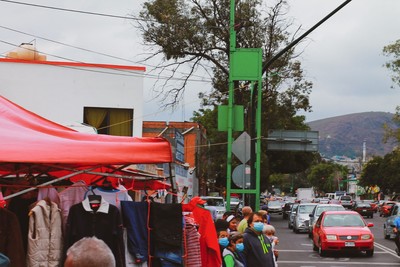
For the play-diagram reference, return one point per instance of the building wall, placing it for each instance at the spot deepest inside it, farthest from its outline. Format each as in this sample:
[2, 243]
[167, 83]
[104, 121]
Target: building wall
[195, 145]
[59, 91]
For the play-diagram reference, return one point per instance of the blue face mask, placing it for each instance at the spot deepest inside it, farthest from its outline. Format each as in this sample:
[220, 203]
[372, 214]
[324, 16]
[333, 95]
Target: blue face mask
[223, 241]
[240, 247]
[258, 226]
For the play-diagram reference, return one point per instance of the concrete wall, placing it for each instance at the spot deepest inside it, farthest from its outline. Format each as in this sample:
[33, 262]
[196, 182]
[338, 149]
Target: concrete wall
[59, 91]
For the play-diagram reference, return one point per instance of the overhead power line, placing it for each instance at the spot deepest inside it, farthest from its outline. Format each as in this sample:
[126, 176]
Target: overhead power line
[75, 11]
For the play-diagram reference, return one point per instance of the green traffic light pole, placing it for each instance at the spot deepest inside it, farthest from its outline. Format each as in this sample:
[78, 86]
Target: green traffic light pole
[256, 89]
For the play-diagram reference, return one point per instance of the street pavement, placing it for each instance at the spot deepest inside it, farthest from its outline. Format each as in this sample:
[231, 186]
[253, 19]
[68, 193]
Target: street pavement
[295, 250]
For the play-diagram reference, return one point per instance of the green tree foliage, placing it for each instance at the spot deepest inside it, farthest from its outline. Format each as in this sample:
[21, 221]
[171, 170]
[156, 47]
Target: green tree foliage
[326, 177]
[194, 34]
[393, 65]
[384, 172]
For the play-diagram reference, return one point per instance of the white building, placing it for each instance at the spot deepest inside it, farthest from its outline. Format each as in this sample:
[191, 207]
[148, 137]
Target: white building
[108, 97]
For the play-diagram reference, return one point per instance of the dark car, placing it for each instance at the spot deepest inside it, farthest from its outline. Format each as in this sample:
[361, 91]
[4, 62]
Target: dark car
[286, 210]
[364, 208]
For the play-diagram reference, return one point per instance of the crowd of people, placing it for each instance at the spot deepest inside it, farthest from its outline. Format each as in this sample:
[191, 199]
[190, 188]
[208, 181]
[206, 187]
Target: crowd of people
[247, 240]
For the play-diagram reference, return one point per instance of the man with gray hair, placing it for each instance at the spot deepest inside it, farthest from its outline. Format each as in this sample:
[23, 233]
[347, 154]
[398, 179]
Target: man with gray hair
[89, 252]
[246, 211]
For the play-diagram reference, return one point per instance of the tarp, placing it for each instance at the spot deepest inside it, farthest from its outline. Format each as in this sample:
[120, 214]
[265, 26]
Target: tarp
[26, 138]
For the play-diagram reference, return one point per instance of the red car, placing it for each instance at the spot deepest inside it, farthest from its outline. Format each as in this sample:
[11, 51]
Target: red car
[342, 231]
[386, 208]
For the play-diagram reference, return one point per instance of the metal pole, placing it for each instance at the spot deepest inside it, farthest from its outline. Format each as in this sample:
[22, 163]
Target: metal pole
[232, 48]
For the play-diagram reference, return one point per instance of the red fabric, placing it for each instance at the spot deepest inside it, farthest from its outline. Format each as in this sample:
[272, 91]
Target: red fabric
[26, 137]
[209, 247]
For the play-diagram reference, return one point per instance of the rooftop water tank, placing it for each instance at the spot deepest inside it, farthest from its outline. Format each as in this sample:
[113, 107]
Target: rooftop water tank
[26, 52]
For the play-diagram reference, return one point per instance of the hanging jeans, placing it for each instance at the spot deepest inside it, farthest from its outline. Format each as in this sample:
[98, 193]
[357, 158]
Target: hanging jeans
[134, 216]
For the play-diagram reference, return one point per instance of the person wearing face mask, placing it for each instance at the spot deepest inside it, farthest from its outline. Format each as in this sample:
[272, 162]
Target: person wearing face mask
[232, 254]
[257, 247]
[221, 226]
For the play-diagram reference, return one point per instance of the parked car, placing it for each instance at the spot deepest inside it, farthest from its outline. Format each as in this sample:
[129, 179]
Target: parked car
[292, 213]
[364, 209]
[324, 201]
[388, 224]
[215, 203]
[386, 208]
[346, 201]
[286, 210]
[342, 231]
[274, 207]
[316, 212]
[302, 217]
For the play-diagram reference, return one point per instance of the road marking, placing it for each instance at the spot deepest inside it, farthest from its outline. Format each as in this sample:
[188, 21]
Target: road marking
[386, 249]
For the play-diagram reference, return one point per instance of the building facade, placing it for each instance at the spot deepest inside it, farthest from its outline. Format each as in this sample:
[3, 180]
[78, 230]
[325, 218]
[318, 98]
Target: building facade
[190, 148]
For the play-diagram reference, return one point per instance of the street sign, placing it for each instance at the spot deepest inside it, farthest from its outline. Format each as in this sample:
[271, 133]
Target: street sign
[241, 147]
[293, 140]
[241, 176]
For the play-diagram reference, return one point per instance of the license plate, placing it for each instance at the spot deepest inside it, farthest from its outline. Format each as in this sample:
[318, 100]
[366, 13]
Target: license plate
[364, 210]
[349, 244]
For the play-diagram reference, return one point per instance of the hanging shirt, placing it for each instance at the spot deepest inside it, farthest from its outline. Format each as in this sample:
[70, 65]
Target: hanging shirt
[113, 196]
[104, 223]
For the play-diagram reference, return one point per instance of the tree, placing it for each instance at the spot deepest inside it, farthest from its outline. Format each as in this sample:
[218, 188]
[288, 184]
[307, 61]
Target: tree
[393, 65]
[326, 176]
[194, 34]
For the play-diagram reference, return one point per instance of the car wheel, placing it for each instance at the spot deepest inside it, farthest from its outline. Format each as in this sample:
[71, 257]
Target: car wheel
[369, 253]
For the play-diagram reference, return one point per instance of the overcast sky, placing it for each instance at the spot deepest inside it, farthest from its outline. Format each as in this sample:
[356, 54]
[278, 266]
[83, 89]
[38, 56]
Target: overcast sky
[343, 57]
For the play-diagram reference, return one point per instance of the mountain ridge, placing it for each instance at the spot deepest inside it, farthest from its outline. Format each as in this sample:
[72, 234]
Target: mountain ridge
[344, 135]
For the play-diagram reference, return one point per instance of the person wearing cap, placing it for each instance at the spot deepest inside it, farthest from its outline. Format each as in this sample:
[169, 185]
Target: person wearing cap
[232, 224]
[232, 254]
[257, 247]
[246, 211]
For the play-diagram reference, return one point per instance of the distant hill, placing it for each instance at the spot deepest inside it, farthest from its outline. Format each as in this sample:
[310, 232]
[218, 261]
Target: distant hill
[344, 135]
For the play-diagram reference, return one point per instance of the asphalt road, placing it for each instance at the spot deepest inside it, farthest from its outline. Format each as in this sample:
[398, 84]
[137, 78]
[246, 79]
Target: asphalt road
[295, 250]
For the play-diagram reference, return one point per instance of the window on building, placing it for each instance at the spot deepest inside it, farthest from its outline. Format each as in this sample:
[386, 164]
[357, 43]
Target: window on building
[112, 121]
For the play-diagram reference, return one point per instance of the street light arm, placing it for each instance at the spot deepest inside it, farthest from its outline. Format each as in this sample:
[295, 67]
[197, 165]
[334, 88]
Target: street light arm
[272, 60]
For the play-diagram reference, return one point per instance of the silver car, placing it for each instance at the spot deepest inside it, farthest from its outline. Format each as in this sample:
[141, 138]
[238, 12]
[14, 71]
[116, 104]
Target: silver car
[301, 220]
[314, 215]
[215, 204]
[388, 224]
[292, 213]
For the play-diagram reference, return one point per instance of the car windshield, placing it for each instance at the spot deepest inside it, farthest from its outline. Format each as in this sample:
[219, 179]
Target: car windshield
[305, 208]
[215, 202]
[274, 203]
[325, 208]
[343, 220]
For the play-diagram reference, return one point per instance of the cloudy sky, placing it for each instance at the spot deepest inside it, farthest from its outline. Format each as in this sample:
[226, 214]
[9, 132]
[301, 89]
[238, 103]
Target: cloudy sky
[343, 57]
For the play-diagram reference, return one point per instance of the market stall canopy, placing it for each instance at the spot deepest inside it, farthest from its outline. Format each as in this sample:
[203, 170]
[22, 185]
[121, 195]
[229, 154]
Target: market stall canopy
[30, 141]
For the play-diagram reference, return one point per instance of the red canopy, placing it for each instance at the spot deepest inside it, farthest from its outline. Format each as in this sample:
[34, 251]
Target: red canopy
[26, 138]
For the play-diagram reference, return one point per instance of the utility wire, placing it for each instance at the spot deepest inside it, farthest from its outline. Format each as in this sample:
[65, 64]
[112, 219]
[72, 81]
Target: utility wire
[76, 11]
[154, 76]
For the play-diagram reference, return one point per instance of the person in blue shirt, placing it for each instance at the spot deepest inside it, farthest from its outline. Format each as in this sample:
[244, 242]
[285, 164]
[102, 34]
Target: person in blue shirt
[396, 230]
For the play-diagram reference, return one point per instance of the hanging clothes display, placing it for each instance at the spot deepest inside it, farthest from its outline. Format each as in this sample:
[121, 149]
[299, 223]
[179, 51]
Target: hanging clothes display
[11, 243]
[44, 235]
[209, 247]
[49, 193]
[104, 222]
[166, 223]
[70, 196]
[135, 215]
[192, 243]
[112, 195]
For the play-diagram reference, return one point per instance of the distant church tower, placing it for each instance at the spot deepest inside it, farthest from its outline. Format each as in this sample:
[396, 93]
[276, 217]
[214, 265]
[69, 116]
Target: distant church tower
[364, 151]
